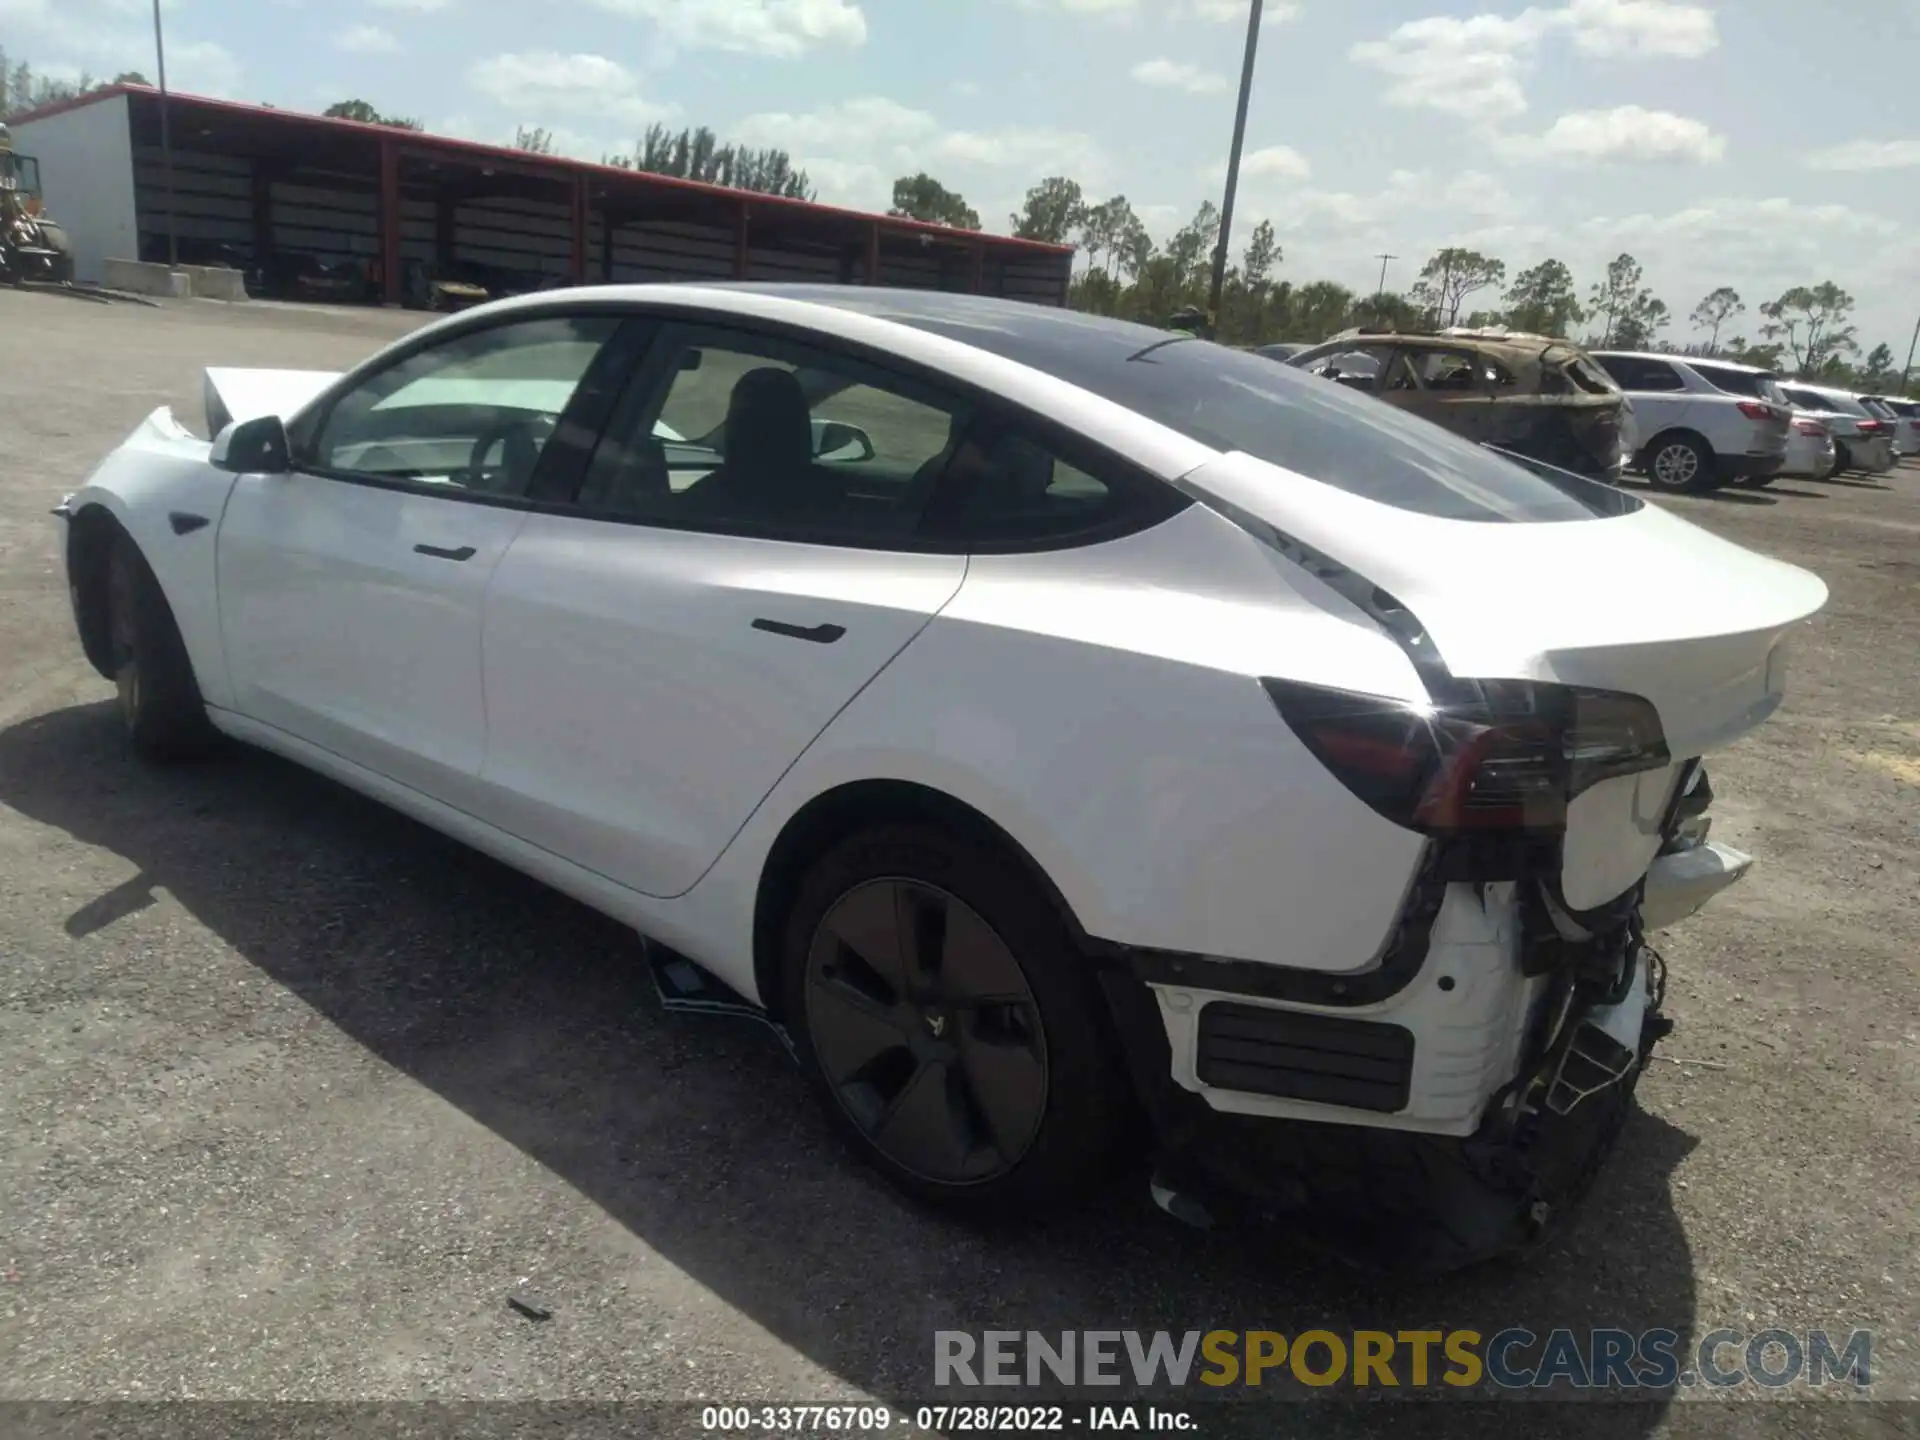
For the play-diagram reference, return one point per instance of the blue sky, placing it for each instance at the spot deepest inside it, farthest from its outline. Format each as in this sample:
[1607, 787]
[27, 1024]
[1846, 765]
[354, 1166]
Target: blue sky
[1760, 144]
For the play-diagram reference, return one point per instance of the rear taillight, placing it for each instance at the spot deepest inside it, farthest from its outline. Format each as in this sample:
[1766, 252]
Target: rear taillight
[1756, 410]
[1809, 427]
[1872, 427]
[1508, 759]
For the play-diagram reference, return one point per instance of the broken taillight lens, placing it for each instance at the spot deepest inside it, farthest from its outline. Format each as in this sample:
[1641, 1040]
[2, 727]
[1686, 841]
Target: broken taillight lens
[1508, 759]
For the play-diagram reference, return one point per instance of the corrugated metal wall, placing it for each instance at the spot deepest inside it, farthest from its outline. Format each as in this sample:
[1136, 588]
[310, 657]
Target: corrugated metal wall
[335, 217]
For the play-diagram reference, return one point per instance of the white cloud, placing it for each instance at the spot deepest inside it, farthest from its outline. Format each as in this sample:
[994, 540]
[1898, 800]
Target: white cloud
[851, 125]
[424, 6]
[1641, 27]
[1167, 74]
[783, 28]
[199, 67]
[854, 150]
[543, 83]
[366, 40]
[1473, 67]
[1269, 162]
[1232, 12]
[1867, 155]
[1470, 68]
[1627, 132]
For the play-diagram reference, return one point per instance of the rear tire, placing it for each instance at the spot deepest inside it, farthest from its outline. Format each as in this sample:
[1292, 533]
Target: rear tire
[985, 1106]
[1680, 464]
[160, 704]
[1842, 460]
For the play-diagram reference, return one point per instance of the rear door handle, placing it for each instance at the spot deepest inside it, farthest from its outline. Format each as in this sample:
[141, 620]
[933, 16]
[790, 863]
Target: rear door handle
[465, 552]
[818, 634]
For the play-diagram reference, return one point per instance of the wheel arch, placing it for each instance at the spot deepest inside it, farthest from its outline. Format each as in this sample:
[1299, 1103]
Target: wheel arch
[91, 534]
[846, 809]
[1678, 432]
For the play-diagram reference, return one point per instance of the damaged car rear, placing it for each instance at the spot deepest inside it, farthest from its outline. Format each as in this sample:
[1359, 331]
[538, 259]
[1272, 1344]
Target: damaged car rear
[1084, 743]
[1529, 394]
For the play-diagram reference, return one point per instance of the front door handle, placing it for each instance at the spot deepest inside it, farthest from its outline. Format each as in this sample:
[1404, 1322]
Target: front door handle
[818, 634]
[465, 552]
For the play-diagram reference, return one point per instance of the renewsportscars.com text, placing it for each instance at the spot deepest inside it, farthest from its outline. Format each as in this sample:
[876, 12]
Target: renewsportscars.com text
[1512, 1359]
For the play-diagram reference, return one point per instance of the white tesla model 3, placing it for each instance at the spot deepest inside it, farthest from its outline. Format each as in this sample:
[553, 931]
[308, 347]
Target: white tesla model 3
[1083, 741]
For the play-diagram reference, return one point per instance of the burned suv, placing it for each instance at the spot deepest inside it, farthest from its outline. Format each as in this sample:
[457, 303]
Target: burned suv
[1528, 394]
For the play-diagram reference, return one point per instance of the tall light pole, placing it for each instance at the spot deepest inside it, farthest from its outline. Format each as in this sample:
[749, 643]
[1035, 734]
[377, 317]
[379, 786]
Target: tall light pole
[1233, 165]
[1910, 348]
[166, 138]
[1380, 295]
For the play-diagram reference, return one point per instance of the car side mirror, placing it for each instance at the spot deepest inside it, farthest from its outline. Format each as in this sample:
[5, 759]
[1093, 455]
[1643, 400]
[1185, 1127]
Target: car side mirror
[253, 447]
[843, 444]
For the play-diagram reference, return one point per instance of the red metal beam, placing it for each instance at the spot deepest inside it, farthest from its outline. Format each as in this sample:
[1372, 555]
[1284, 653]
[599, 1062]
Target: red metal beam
[390, 221]
[742, 252]
[577, 263]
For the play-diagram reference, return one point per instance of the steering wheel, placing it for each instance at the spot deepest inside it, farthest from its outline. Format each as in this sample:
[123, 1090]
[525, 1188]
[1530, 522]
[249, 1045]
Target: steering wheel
[520, 452]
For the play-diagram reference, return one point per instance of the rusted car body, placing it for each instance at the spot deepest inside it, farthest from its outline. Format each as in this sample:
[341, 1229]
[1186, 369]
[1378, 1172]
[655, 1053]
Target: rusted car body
[1531, 394]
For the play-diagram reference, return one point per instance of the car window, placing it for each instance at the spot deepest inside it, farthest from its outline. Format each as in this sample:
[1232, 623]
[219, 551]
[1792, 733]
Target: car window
[1006, 486]
[473, 412]
[1445, 370]
[1635, 372]
[1358, 367]
[757, 435]
[1877, 410]
[1733, 382]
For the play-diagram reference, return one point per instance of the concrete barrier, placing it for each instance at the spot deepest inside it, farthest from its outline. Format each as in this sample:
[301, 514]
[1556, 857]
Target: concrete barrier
[213, 282]
[207, 282]
[139, 278]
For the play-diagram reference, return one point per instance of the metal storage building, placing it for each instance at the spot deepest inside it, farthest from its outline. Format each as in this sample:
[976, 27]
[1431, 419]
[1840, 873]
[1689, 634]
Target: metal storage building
[251, 183]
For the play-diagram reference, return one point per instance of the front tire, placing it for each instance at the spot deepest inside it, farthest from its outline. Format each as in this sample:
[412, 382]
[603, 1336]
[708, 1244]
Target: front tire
[160, 704]
[952, 1030]
[1680, 464]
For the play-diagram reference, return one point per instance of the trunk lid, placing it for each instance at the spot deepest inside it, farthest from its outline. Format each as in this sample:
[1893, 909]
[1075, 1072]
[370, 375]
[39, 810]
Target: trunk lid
[1644, 602]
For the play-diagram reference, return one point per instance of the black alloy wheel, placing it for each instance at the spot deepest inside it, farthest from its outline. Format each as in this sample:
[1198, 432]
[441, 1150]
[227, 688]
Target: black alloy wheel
[926, 1031]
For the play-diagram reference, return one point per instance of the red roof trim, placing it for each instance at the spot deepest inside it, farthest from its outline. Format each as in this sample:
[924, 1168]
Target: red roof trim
[559, 166]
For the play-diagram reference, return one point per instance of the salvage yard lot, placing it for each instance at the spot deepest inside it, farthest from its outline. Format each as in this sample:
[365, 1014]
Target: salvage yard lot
[296, 1093]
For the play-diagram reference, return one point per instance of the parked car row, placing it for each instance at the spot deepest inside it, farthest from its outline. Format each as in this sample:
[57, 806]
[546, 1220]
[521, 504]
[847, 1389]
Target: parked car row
[1686, 423]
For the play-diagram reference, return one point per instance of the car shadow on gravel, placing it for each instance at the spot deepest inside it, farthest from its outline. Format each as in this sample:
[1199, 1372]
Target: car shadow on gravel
[535, 1017]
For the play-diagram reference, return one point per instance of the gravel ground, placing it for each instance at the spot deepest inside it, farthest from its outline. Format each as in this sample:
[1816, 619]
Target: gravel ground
[296, 1093]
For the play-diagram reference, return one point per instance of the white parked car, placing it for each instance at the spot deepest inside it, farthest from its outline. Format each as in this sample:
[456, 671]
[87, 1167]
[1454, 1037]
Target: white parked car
[1702, 423]
[1903, 415]
[1049, 722]
[1862, 439]
[1811, 453]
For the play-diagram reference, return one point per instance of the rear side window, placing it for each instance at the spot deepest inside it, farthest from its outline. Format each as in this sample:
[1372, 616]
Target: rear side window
[1877, 410]
[1635, 372]
[1734, 382]
[1232, 401]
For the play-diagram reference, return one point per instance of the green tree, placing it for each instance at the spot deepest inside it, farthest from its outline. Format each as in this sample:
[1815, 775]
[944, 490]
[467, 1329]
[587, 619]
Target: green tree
[1877, 368]
[1715, 310]
[1810, 322]
[1319, 310]
[1051, 211]
[1191, 250]
[131, 77]
[535, 140]
[697, 154]
[1543, 300]
[1629, 313]
[921, 197]
[1263, 254]
[363, 112]
[1449, 277]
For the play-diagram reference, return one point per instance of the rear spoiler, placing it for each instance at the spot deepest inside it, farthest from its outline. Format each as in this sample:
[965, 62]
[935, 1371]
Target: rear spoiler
[231, 395]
